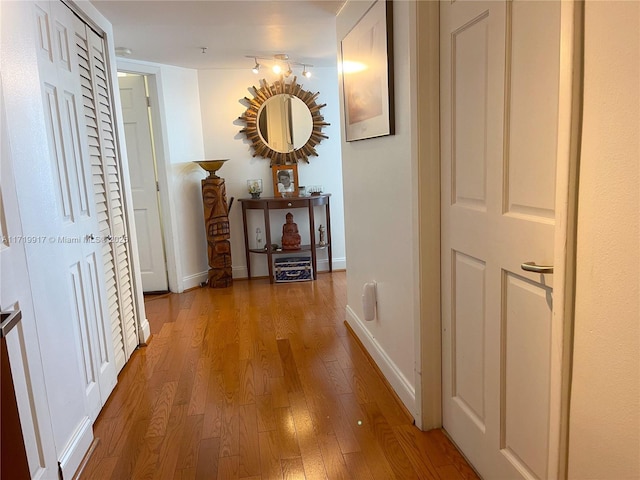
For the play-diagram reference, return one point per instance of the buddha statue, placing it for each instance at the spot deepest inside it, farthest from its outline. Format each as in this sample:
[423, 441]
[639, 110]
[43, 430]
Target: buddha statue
[290, 235]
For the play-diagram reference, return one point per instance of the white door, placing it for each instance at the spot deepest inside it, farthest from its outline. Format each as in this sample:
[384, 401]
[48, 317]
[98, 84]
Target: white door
[76, 244]
[108, 190]
[22, 341]
[501, 102]
[143, 183]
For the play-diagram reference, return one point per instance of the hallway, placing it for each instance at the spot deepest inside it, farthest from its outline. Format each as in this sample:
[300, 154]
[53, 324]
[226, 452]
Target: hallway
[260, 381]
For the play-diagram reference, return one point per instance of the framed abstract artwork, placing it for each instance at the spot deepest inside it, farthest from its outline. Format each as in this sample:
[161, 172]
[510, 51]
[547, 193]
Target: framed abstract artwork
[367, 74]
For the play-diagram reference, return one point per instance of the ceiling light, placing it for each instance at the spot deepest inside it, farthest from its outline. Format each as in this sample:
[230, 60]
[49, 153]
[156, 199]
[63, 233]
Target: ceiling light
[256, 67]
[277, 62]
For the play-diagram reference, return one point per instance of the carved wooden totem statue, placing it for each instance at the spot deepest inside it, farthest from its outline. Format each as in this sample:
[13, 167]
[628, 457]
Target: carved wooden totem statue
[216, 221]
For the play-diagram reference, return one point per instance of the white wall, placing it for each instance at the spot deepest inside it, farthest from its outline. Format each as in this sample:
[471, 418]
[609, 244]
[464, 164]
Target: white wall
[605, 398]
[184, 136]
[381, 201]
[221, 94]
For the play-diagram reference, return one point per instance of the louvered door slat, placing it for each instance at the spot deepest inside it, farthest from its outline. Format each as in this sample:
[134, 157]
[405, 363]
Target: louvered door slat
[106, 182]
[100, 197]
[119, 250]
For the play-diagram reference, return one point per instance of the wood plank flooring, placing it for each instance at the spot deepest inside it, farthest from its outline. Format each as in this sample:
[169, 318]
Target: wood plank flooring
[260, 381]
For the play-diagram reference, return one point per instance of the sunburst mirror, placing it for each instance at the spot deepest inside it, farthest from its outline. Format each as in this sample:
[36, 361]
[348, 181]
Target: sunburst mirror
[283, 122]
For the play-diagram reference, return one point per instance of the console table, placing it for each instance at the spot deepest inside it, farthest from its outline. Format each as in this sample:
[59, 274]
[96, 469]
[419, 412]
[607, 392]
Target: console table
[277, 203]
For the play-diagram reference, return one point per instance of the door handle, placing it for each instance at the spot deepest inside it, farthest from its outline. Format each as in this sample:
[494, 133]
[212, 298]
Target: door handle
[532, 267]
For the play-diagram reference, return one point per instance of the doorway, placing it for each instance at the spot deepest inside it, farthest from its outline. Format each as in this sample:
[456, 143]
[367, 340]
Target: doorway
[143, 173]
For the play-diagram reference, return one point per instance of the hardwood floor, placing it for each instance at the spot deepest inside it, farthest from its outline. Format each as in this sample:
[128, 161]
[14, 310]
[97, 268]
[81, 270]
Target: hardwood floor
[260, 381]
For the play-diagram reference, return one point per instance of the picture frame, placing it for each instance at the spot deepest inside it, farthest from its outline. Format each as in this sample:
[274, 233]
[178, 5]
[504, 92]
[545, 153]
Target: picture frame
[367, 74]
[285, 180]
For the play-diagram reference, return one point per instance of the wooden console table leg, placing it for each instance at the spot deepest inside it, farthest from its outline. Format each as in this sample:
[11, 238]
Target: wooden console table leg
[329, 256]
[312, 231]
[267, 232]
[246, 240]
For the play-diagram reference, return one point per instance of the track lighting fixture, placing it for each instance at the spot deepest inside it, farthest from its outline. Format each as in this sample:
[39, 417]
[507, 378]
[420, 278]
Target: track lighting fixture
[280, 64]
[256, 67]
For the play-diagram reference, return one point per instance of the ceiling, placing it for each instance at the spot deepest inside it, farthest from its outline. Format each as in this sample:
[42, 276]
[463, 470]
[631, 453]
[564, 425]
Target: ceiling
[175, 32]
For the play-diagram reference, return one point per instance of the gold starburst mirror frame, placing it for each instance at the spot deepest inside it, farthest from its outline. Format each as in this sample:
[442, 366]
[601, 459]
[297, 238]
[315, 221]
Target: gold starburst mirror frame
[283, 122]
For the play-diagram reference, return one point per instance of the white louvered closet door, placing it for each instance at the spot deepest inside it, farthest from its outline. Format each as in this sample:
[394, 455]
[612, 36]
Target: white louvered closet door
[107, 185]
[77, 297]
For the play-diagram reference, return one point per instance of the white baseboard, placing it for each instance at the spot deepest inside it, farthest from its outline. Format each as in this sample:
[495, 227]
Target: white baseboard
[392, 373]
[338, 264]
[195, 280]
[76, 448]
[239, 272]
[145, 331]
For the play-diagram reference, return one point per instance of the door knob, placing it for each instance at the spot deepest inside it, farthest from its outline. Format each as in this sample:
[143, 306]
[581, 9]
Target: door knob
[532, 267]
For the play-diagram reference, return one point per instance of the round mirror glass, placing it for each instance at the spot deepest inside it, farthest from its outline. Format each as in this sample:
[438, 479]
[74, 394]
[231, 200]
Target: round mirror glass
[285, 123]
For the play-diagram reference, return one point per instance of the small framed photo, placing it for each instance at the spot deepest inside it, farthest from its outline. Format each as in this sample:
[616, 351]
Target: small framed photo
[285, 180]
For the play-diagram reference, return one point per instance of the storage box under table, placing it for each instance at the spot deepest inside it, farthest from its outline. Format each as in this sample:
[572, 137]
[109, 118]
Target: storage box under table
[293, 269]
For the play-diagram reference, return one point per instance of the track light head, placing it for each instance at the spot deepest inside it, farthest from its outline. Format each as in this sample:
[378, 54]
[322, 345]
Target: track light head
[256, 67]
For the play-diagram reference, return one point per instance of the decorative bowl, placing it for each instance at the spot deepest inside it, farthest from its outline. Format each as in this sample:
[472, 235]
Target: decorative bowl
[211, 166]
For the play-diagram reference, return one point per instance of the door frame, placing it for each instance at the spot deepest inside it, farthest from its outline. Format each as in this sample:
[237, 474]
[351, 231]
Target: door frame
[429, 396]
[158, 126]
[429, 332]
